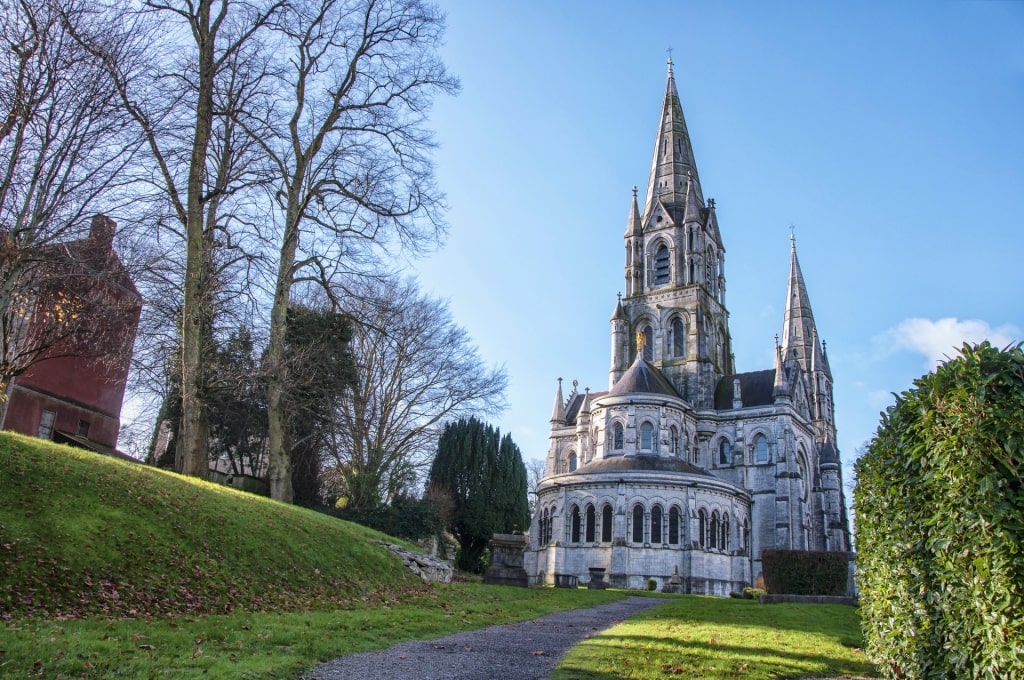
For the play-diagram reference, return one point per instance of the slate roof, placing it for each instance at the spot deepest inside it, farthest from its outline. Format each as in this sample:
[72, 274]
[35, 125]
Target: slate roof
[642, 376]
[572, 409]
[756, 389]
[641, 464]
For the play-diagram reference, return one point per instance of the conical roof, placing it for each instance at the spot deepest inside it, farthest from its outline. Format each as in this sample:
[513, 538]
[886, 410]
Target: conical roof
[643, 377]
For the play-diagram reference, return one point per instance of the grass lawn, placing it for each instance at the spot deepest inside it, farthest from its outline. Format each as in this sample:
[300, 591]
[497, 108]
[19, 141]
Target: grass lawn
[268, 644]
[706, 637]
[115, 570]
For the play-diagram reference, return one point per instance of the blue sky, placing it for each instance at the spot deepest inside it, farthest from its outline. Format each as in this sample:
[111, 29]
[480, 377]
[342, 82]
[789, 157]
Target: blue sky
[890, 136]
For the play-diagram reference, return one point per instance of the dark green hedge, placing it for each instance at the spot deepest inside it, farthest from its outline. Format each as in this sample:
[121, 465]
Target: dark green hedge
[805, 572]
[939, 506]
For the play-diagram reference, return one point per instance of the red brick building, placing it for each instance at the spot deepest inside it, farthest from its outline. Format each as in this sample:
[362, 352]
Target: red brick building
[74, 394]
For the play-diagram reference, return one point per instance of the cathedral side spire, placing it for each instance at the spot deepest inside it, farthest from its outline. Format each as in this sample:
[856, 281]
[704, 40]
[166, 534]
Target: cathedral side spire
[633, 224]
[673, 159]
[558, 412]
[799, 334]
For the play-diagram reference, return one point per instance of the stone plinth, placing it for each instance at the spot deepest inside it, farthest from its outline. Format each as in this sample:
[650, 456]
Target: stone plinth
[597, 579]
[675, 584]
[507, 561]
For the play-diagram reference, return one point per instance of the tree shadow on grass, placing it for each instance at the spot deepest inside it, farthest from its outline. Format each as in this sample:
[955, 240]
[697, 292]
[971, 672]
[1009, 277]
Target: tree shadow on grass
[685, 658]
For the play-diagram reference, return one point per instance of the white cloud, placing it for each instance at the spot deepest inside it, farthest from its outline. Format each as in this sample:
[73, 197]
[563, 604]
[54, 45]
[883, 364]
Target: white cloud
[940, 340]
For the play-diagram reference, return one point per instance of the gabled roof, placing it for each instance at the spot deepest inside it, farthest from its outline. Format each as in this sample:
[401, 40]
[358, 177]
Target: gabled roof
[572, 409]
[755, 389]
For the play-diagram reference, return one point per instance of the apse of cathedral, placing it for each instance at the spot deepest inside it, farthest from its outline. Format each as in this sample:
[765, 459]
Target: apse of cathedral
[684, 470]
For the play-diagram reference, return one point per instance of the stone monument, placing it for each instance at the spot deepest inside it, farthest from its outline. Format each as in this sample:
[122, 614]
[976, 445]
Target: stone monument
[507, 561]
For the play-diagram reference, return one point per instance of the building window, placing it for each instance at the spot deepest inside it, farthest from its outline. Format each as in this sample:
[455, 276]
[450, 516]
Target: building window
[723, 540]
[638, 524]
[656, 524]
[574, 536]
[713, 531]
[606, 524]
[702, 527]
[724, 449]
[572, 461]
[46, 424]
[83, 428]
[661, 266]
[648, 344]
[673, 434]
[673, 526]
[745, 537]
[647, 437]
[591, 521]
[617, 436]
[760, 449]
[678, 338]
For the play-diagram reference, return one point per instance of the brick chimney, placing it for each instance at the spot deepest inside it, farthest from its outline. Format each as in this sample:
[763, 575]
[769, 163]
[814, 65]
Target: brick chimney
[102, 232]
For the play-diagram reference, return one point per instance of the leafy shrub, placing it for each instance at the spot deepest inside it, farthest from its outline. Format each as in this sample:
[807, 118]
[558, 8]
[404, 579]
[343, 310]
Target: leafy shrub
[805, 572]
[940, 523]
[652, 584]
[406, 517]
[753, 593]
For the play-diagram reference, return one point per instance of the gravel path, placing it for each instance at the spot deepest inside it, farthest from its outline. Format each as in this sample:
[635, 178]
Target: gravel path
[517, 651]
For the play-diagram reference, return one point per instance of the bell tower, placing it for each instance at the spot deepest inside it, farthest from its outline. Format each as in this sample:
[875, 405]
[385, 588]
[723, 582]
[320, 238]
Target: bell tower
[674, 271]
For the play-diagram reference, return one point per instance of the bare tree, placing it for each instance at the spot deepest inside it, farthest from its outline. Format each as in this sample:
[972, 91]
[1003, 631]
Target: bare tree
[415, 371]
[346, 154]
[535, 468]
[63, 149]
[182, 69]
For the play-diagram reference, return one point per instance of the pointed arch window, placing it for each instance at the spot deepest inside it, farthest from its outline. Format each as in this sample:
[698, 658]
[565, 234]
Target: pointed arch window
[760, 449]
[648, 344]
[724, 451]
[647, 437]
[589, 525]
[574, 536]
[713, 531]
[617, 436]
[673, 525]
[702, 527]
[606, 524]
[638, 524]
[710, 279]
[662, 270]
[673, 434]
[656, 516]
[572, 461]
[678, 338]
[723, 540]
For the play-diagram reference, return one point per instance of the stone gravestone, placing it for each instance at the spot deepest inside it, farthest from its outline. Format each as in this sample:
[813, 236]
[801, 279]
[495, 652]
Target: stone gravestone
[507, 561]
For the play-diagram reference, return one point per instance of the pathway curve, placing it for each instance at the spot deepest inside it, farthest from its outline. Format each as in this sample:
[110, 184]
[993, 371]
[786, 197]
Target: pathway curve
[527, 650]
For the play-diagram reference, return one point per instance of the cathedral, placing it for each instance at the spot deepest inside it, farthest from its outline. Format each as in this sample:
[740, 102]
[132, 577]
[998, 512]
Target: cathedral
[684, 470]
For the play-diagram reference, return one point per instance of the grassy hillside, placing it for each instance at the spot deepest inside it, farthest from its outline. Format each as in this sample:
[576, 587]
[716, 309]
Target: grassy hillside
[85, 535]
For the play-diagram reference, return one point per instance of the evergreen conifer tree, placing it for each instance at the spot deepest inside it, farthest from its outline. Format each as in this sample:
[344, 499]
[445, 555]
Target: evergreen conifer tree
[483, 477]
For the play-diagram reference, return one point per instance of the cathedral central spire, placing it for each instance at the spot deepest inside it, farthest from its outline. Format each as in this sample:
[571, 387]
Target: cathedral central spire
[673, 162]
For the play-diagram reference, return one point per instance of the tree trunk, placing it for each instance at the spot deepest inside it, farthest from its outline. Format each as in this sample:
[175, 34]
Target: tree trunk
[195, 434]
[279, 472]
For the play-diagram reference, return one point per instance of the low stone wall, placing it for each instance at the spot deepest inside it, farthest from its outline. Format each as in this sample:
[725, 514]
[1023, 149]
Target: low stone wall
[426, 567]
[808, 599]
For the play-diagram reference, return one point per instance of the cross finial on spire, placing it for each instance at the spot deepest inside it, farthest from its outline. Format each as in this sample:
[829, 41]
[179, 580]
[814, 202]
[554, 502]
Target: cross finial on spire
[634, 192]
[669, 61]
[792, 237]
